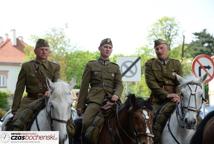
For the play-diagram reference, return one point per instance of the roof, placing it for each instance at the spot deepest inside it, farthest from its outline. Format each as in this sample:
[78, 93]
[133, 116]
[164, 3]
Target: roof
[10, 53]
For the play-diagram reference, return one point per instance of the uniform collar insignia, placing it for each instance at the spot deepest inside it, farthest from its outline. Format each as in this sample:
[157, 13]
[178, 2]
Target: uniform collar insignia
[102, 61]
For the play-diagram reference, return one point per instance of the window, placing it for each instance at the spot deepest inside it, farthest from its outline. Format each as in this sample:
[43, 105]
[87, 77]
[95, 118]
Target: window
[3, 79]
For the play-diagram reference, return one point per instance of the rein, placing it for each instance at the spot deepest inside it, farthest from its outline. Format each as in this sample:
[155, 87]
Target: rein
[121, 128]
[170, 131]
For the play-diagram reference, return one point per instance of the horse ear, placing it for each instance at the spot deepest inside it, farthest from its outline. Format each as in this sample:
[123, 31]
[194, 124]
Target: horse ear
[72, 83]
[49, 83]
[132, 99]
[179, 78]
[203, 78]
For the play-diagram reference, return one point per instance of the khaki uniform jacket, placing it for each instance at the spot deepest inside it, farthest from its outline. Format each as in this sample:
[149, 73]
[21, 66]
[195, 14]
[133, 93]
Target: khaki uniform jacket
[99, 77]
[160, 79]
[28, 78]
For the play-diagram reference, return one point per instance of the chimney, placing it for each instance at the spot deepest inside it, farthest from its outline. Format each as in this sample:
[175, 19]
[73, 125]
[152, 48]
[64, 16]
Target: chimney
[20, 38]
[13, 37]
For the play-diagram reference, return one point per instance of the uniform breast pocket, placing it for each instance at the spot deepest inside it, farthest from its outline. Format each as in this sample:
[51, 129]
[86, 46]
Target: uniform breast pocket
[96, 74]
[32, 79]
[158, 74]
[110, 74]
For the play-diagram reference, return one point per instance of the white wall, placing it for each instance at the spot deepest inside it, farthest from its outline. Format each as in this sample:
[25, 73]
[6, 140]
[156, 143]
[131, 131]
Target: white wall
[13, 72]
[211, 92]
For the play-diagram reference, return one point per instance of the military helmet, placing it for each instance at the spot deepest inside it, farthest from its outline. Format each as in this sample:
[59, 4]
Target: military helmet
[41, 43]
[159, 41]
[106, 41]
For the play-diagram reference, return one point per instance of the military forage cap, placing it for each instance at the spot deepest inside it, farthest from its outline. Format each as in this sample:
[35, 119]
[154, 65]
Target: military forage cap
[159, 41]
[106, 41]
[41, 43]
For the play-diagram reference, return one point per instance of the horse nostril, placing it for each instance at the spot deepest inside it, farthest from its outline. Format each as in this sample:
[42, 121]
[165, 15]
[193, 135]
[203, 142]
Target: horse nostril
[185, 120]
[194, 121]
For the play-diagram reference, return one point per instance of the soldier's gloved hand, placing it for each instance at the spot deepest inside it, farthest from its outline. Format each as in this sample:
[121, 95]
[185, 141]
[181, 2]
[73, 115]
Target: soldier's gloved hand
[114, 98]
[79, 112]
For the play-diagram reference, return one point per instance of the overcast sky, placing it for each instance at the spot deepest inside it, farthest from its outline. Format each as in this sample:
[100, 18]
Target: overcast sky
[88, 21]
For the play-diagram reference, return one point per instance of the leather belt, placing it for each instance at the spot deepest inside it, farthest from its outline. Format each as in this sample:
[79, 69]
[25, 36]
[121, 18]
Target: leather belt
[101, 85]
[35, 95]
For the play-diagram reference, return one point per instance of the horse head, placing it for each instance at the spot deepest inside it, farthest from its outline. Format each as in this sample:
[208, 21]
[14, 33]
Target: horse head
[191, 92]
[141, 118]
[59, 107]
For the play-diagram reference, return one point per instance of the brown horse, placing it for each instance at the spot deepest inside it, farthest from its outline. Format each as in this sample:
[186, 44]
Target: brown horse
[131, 123]
[205, 131]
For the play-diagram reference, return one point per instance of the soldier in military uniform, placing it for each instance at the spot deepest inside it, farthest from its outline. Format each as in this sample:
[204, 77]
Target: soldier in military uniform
[163, 85]
[32, 77]
[101, 80]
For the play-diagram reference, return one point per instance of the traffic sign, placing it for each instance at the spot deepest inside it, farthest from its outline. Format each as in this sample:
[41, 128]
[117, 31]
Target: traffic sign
[130, 67]
[203, 64]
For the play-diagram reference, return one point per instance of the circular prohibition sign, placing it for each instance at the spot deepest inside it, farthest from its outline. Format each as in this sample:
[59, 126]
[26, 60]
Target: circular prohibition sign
[203, 64]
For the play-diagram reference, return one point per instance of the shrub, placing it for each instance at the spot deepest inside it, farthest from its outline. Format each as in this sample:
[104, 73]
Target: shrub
[4, 100]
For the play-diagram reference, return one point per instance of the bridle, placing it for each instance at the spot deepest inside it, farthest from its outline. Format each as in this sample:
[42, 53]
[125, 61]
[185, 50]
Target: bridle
[133, 134]
[52, 119]
[181, 107]
[180, 114]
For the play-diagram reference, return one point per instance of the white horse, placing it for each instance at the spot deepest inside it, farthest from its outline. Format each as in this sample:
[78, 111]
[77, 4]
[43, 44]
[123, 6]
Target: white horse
[57, 112]
[181, 125]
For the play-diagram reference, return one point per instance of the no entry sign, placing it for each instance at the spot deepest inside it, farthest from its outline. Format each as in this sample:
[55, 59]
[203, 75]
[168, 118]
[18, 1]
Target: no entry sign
[203, 64]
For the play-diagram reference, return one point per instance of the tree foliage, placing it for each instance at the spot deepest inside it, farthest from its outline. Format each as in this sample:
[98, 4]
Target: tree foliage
[203, 44]
[75, 64]
[165, 28]
[3, 100]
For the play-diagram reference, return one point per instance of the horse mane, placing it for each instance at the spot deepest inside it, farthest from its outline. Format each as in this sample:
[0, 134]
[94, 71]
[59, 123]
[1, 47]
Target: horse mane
[139, 102]
[197, 137]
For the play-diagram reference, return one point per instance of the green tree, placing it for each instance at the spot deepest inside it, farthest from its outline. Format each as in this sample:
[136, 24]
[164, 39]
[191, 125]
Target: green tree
[203, 44]
[165, 28]
[3, 100]
[29, 53]
[75, 64]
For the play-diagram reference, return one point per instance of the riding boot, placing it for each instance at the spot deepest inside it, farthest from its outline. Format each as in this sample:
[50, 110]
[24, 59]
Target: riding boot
[93, 131]
[21, 120]
[160, 120]
[70, 130]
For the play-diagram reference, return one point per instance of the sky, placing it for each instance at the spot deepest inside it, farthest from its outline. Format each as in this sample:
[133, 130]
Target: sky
[87, 22]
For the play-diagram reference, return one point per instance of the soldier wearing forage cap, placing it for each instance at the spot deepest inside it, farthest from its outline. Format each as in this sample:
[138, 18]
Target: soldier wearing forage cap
[101, 80]
[32, 78]
[163, 85]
